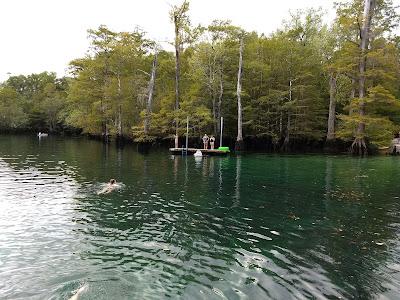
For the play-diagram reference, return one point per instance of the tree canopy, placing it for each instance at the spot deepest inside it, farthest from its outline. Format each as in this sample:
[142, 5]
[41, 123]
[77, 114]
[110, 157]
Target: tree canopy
[305, 83]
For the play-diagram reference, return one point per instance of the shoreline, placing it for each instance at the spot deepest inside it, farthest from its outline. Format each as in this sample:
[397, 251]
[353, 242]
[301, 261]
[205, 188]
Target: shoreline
[252, 145]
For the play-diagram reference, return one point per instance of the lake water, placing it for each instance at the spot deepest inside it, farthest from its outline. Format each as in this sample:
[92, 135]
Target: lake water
[239, 227]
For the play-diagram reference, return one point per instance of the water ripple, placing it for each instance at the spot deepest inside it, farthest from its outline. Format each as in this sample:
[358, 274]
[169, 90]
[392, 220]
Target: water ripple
[218, 228]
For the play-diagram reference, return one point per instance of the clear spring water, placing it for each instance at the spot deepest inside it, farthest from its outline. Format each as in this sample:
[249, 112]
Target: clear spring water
[238, 227]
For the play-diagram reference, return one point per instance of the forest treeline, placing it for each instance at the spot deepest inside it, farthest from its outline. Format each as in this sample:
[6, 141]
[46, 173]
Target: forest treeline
[308, 82]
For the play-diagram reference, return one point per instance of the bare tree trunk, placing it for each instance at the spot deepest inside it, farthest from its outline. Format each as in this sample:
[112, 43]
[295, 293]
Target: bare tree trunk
[119, 126]
[353, 93]
[286, 142]
[239, 139]
[51, 125]
[215, 114]
[330, 136]
[213, 81]
[287, 136]
[177, 72]
[219, 105]
[359, 145]
[103, 102]
[213, 95]
[147, 119]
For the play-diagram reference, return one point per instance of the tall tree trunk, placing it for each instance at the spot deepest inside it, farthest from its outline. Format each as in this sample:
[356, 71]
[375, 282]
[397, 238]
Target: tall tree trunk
[286, 142]
[119, 124]
[239, 138]
[51, 125]
[330, 136]
[359, 145]
[219, 105]
[147, 119]
[215, 114]
[213, 68]
[287, 136]
[103, 102]
[213, 95]
[177, 73]
[353, 93]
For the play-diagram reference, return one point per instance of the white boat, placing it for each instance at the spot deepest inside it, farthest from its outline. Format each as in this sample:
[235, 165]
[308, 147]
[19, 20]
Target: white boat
[42, 134]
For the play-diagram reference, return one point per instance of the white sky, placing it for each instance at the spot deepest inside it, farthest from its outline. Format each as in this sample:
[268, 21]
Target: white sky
[44, 35]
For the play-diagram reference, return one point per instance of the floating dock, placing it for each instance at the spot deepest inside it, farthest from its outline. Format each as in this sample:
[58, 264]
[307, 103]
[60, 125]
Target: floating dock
[191, 151]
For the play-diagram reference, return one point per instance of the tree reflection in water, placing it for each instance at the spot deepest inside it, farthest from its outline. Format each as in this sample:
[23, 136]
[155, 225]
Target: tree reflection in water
[253, 225]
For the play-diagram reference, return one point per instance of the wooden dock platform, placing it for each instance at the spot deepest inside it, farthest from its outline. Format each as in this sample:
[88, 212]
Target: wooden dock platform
[191, 151]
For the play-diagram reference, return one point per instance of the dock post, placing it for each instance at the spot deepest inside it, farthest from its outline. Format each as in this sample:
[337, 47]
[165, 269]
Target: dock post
[220, 135]
[187, 133]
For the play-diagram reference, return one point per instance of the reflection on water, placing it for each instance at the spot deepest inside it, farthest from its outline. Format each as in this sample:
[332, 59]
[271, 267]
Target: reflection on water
[252, 226]
[237, 183]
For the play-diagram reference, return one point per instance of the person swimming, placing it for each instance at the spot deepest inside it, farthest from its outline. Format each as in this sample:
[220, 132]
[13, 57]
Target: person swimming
[111, 186]
[79, 292]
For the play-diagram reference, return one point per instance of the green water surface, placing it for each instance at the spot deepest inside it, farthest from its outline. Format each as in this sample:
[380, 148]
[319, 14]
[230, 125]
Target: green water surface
[253, 226]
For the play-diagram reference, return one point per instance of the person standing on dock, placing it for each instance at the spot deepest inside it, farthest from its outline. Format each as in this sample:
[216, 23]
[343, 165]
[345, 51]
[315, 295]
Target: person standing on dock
[212, 142]
[205, 141]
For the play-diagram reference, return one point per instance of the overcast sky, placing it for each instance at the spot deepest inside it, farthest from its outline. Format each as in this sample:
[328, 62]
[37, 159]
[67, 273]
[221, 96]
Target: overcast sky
[44, 35]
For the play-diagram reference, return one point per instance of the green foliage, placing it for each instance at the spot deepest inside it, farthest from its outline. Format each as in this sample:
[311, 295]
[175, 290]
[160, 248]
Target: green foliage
[380, 104]
[285, 92]
[379, 130]
[38, 101]
[11, 114]
[110, 85]
[283, 81]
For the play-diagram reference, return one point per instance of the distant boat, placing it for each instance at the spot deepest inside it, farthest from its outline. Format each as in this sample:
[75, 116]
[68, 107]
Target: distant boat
[40, 134]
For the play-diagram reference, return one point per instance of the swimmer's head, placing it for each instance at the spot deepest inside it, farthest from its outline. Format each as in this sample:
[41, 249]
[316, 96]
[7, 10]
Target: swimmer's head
[112, 181]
